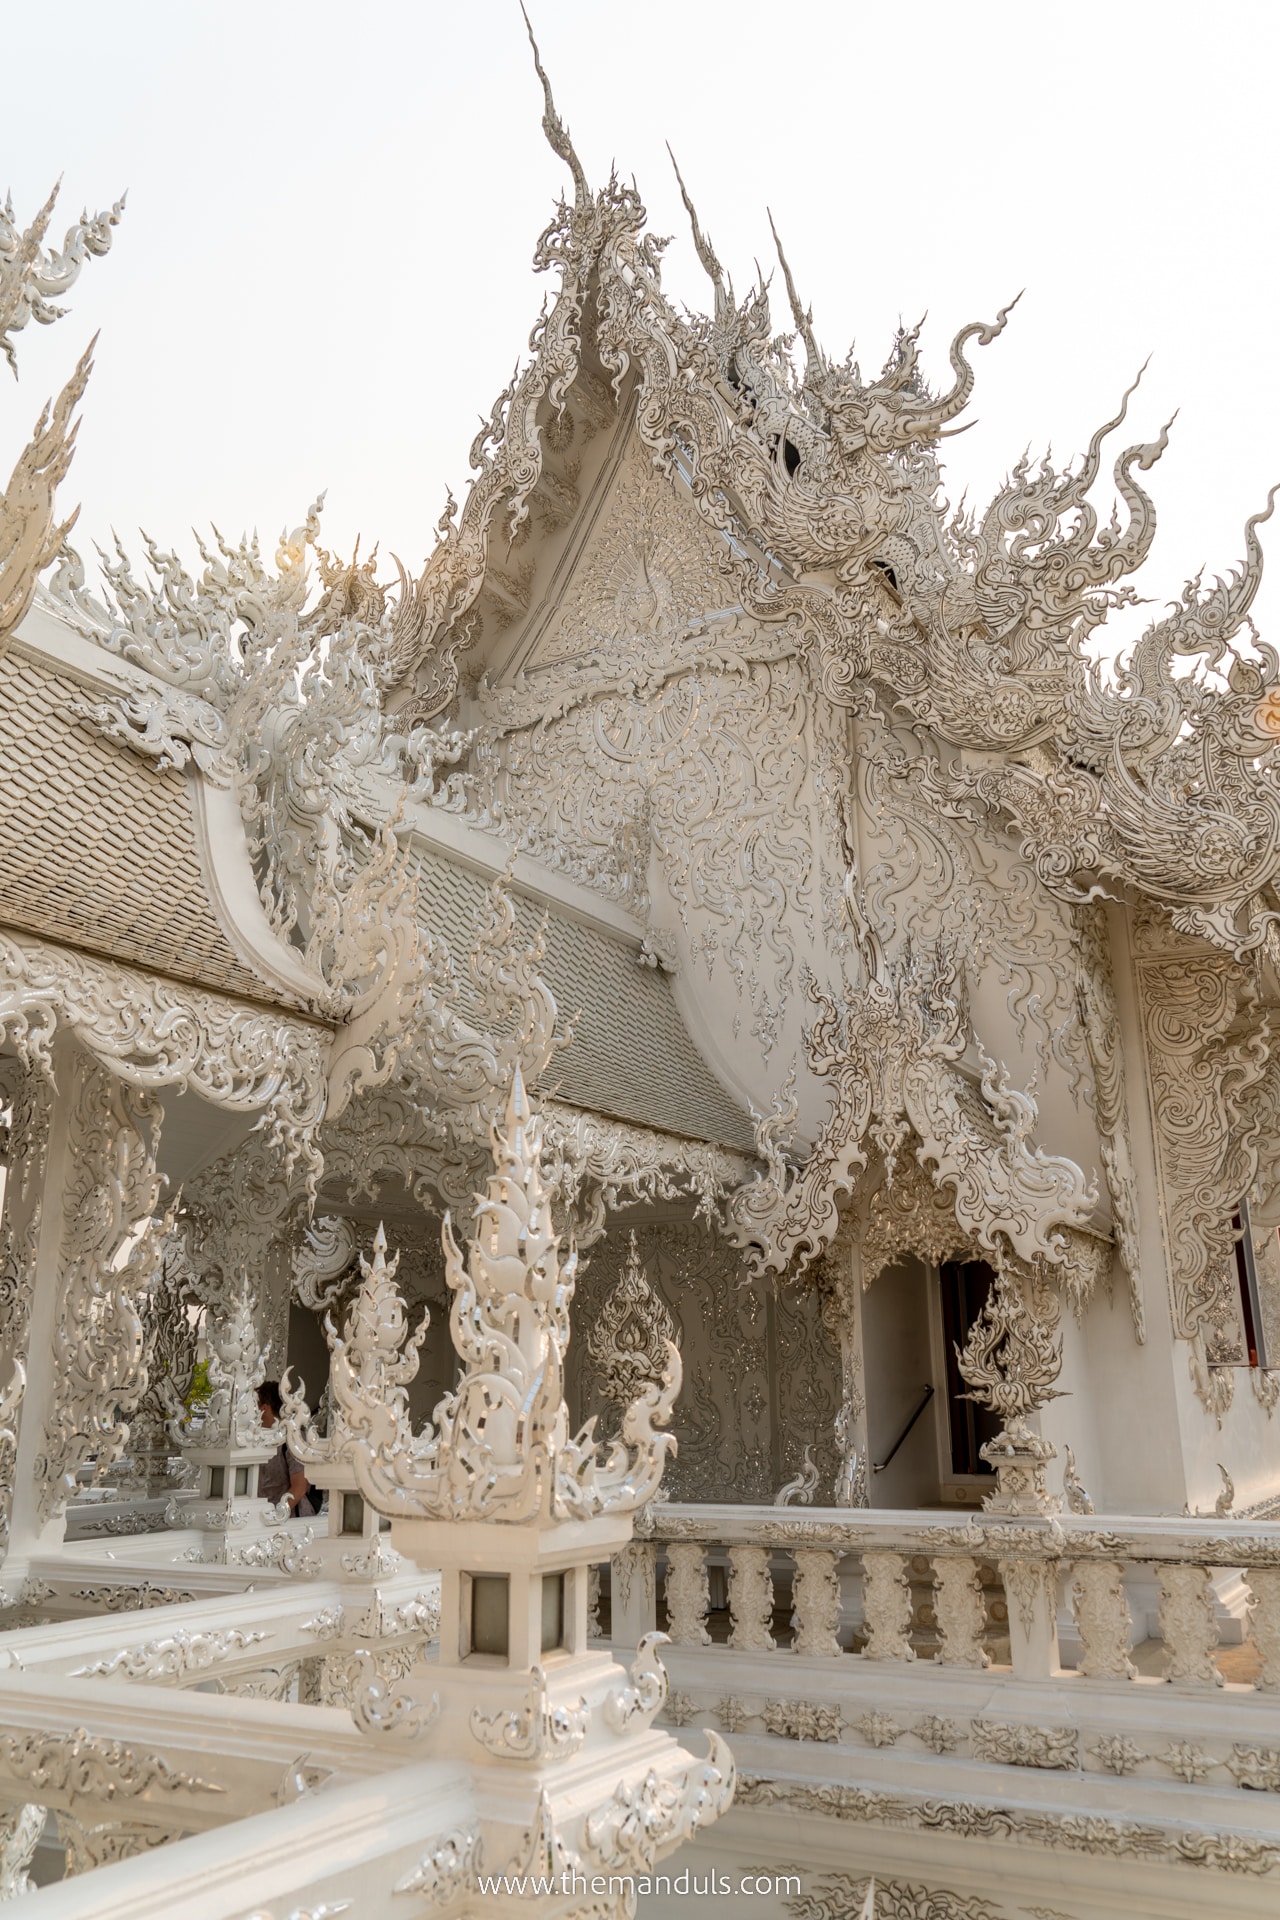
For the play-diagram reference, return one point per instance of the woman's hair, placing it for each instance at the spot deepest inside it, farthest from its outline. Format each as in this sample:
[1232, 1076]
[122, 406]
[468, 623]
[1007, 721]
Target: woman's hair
[269, 1396]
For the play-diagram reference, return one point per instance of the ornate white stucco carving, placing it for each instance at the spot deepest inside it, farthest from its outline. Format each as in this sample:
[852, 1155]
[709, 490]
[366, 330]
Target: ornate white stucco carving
[501, 1446]
[232, 1417]
[632, 1335]
[534, 1728]
[371, 1366]
[890, 1054]
[174, 1656]
[33, 278]
[154, 1033]
[1011, 1359]
[110, 1252]
[1207, 1059]
[322, 1262]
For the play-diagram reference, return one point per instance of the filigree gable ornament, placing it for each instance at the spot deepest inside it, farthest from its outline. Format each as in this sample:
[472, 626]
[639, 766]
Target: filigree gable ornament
[630, 1342]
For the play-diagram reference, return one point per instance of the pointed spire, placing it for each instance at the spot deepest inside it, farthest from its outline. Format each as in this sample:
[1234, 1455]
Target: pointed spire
[553, 126]
[802, 317]
[702, 244]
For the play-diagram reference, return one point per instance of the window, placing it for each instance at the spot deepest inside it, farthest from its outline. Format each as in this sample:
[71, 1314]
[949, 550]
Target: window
[489, 1631]
[552, 1611]
[1251, 1315]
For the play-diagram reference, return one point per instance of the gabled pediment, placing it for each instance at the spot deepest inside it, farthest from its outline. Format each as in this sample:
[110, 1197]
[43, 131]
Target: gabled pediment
[638, 567]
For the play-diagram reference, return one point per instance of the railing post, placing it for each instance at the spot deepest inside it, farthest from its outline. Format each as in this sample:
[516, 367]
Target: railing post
[815, 1596]
[1264, 1613]
[751, 1599]
[1101, 1609]
[960, 1610]
[1188, 1621]
[886, 1606]
[634, 1606]
[1031, 1591]
[688, 1593]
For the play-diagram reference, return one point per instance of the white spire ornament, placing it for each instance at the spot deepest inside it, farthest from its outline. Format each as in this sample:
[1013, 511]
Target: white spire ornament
[501, 1448]
[515, 1511]
[372, 1364]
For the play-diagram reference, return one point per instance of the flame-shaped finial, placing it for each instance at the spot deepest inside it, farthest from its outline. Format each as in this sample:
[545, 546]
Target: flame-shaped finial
[702, 243]
[553, 126]
[372, 1364]
[802, 316]
[501, 1447]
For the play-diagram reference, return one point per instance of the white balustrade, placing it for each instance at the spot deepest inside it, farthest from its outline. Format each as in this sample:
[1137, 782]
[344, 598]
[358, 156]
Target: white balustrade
[925, 1586]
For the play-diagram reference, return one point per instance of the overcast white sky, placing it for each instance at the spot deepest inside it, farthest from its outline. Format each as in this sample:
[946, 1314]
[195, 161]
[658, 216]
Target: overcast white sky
[323, 272]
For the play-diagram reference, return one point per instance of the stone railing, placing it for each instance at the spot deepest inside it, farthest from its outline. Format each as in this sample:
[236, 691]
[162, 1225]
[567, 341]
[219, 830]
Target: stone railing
[897, 1586]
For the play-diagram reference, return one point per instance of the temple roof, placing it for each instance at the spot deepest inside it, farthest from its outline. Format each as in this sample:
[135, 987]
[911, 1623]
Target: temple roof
[631, 1056]
[97, 849]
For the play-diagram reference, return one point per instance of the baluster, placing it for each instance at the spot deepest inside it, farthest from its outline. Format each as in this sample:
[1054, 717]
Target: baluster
[1101, 1608]
[688, 1594]
[1264, 1614]
[634, 1608]
[815, 1597]
[1031, 1590]
[1189, 1626]
[960, 1610]
[886, 1607]
[751, 1599]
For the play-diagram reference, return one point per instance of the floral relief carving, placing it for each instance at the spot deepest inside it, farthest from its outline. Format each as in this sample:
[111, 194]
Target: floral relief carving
[960, 1610]
[886, 1606]
[153, 1033]
[1016, 1745]
[803, 1720]
[20, 1831]
[751, 1599]
[534, 1729]
[80, 1763]
[815, 1594]
[1189, 1626]
[1118, 1754]
[1264, 1618]
[1256, 1767]
[646, 1695]
[1188, 1760]
[688, 1594]
[1101, 1608]
[175, 1656]
[627, 1833]
[1213, 1849]
[841, 1895]
[447, 1870]
[630, 1337]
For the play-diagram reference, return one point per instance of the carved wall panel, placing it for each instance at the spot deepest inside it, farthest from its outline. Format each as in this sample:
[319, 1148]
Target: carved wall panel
[30, 1113]
[761, 1374]
[109, 1254]
[1206, 1059]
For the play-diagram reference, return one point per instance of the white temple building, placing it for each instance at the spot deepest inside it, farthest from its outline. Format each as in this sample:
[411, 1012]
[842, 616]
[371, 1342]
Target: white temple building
[731, 1070]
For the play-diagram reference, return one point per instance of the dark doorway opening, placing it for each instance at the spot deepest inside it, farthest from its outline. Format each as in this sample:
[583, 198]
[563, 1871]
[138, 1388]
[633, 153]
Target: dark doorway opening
[965, 1287]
